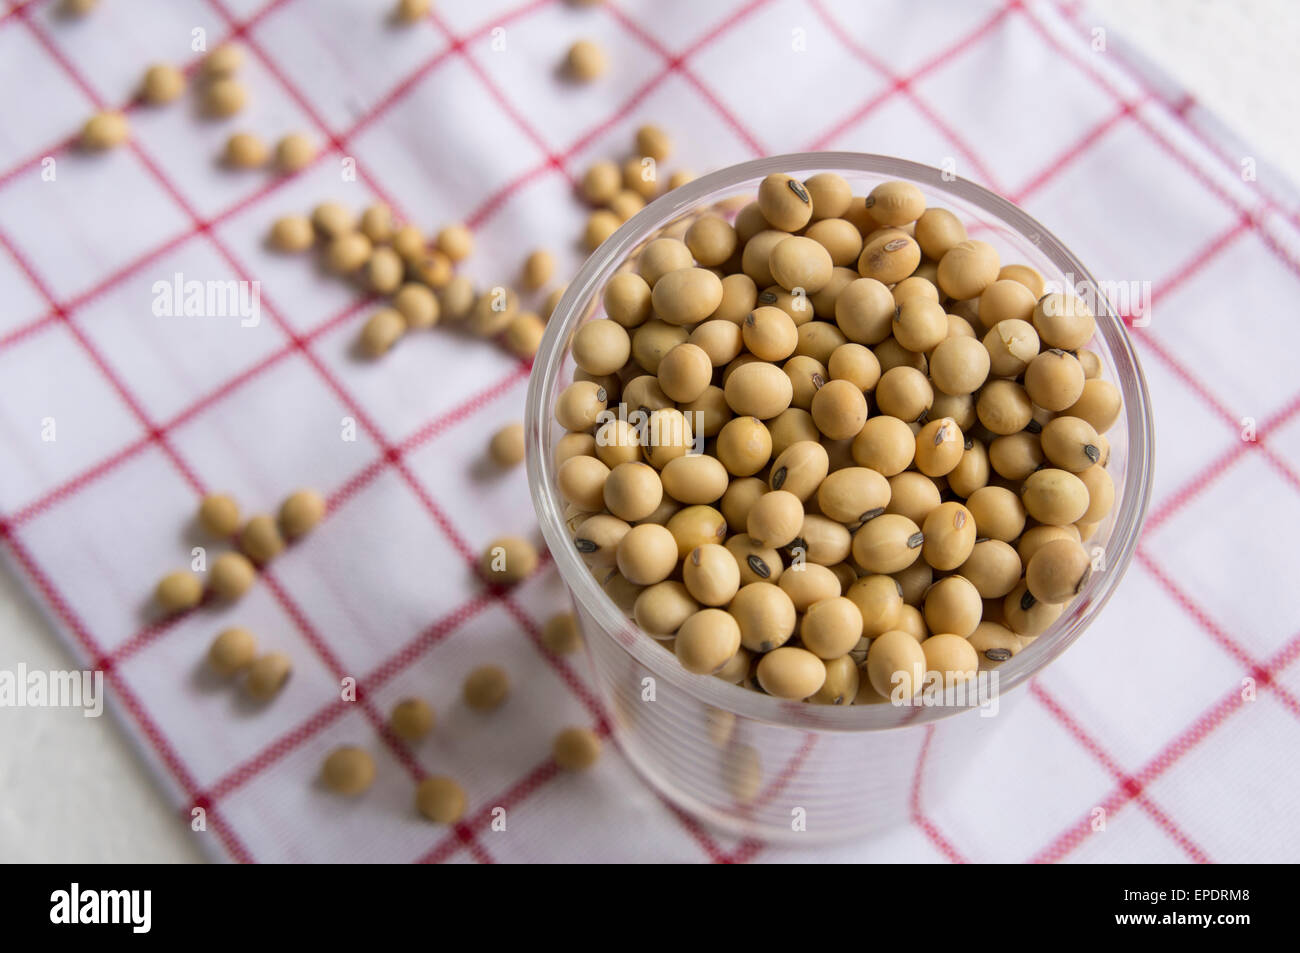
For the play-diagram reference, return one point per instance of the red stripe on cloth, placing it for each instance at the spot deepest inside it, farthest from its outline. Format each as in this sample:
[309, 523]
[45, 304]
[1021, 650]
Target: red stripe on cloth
[78, 301]
[904, 86]
[503, 102]
[271, 186]
[493, 203]
[397, 747]
[1079, 831]
[1182, 107]
[105, 369]
[82, 480]
[749, 848]
[1206, 179]
[58, 494]
[254, 371]
[407, 84]
[440, 630]
[271, 66]
[50, 47]
[1205, 478]
[323, 650]
[26, 165]
[1235, 423]
[1063, 161]
[745, 852]
[354, 484]
[562, 669]
[134, 103]
[145, 636]
[901, 84]
[370, 683]
[696, 831]
[1204, 256]
[1200, 729]
[31, 329]
[522, 789]
[436, 427]
[677, 63]
[1194, 487]
[1113, 768]
[132, 705]
[1184, 273]
[16, 8]
[277, 750]
[440, 518]
[436, 513]
[1214, 717]
[1212, 628]
[919, 818]
[852, 119]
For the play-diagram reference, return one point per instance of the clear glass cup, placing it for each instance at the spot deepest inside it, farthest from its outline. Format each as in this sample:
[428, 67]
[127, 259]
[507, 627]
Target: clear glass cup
[757, 766]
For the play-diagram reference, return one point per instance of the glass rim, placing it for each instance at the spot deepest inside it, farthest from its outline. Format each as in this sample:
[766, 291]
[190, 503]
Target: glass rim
[614, 623]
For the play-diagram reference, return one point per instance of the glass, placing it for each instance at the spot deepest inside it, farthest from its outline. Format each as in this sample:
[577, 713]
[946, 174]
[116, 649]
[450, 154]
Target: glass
[759, 766]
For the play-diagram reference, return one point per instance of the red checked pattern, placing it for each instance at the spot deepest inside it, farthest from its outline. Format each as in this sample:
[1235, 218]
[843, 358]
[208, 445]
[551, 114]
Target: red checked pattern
[1184, 760]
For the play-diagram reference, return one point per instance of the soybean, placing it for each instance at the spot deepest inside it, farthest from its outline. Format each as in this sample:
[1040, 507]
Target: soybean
[561, 634]
[411, 719]
[839, 408]
[440, 799]
[300, 513]
[785, 202]
[219, 514]
[486, 687]
[162, 83]
[106, 130]
[766, 616]
[789, 672]
[348, 770]
[882, 407]
[267, 675]
[1055, 497]
[585, 61]
[949, 536]
[576, 749]
[896, 665]
[661, 609]
[1058, 571]
[294, 152]
[887, 544]
[949, 659]
[1054, 380]
[508, 560]
[232, 651]
[831, 627]
[231, 575]
[707, 641]
[260, 539]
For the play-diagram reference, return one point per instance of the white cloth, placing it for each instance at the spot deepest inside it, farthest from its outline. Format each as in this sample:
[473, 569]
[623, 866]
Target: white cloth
[464, 118]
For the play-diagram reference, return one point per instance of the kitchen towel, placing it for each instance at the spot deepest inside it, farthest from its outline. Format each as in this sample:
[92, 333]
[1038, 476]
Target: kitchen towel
[1167, 733]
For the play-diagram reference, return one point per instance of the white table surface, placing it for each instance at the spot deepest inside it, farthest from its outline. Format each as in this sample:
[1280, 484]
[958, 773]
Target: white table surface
[72, 789]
